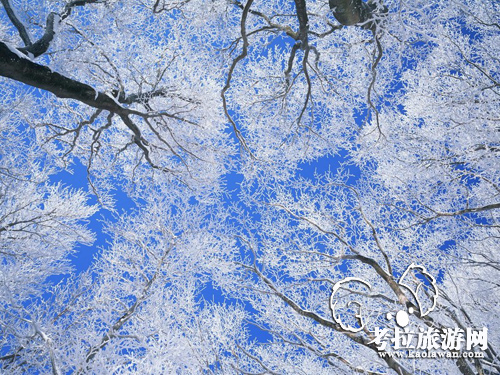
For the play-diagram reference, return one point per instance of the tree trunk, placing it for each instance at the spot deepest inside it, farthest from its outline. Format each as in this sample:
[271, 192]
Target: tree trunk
[353, 12]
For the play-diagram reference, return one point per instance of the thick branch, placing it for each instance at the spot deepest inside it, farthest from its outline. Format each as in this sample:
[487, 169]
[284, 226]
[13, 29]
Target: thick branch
[388, 278]
[41, 45]
[327, 323]
[356, 12]
[23, 33]
[350, 12]
[300, 5]
[16, 67]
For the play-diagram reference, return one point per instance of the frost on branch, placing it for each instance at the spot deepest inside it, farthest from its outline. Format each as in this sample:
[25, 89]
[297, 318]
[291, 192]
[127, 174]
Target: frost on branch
[249, 156]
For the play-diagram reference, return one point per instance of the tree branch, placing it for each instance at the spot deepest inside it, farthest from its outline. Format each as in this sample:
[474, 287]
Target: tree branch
[14, 66]
[240, 57]
[23, 33]
[356, 12]
[300, 5]
[326, 323]
[41, 45]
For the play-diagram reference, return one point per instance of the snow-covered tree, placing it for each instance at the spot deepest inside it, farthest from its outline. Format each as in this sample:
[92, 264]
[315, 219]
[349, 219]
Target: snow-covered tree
[167, 101]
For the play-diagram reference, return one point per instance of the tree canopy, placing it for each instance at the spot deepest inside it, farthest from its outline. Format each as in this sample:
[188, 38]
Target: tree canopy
[301, 172]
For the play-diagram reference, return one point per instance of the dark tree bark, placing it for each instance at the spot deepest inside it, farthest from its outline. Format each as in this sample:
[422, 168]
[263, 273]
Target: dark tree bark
[355, 12]
[38, 48]
[26, 71]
